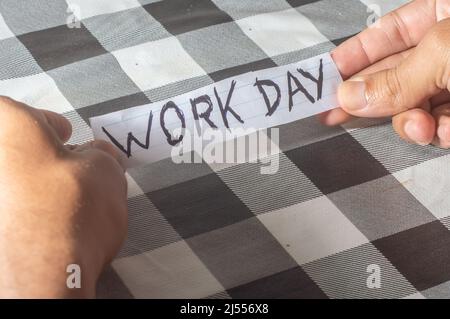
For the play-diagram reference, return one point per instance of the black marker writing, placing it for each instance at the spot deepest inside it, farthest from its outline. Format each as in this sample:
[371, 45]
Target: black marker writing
[318, 81]
[166, 107]
[206, 114]
[300, 88]
[131, 138]
[271, 108]
[227, 108]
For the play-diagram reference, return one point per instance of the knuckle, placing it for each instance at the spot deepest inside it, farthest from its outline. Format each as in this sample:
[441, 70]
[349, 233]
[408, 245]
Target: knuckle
[387, 89]
[394, 85]
[438, 38]
[401, 33]
[437, 42]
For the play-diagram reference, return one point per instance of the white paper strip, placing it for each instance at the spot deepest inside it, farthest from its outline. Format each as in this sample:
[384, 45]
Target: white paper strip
[252, 101]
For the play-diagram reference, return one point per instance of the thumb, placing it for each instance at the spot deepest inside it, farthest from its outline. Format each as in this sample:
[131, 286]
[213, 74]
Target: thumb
[423, 74]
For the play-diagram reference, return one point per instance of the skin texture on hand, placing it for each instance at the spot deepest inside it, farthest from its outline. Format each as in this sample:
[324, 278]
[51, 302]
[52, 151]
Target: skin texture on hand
[59, 205]
[400, 67]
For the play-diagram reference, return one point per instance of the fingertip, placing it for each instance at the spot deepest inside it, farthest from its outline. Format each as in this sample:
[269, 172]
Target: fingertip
[334, 117]
[418, 132]
[415, 126]
[442, 116]
[324, 118]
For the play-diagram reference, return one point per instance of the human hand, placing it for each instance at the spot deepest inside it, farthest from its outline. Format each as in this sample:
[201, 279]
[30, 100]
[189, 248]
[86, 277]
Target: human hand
[400, 67]
[59, 205]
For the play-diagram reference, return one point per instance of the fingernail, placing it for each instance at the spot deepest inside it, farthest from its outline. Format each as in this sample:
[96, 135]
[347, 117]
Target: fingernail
[352, 95]
[414, 133]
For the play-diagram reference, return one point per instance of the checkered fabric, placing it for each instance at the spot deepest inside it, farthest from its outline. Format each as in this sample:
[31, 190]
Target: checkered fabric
[344, 199]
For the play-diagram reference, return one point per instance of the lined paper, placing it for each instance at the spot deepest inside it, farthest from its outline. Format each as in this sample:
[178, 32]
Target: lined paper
[252, 101]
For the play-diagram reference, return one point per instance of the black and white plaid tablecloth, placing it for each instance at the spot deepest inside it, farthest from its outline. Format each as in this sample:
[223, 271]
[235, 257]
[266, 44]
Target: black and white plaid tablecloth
[345, 199]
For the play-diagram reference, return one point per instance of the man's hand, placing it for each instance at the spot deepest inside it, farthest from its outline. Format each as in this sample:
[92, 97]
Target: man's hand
[59, 205]
[405, 63]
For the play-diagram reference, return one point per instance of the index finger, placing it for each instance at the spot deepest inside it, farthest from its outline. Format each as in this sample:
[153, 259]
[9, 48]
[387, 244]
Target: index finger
[399, 30]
